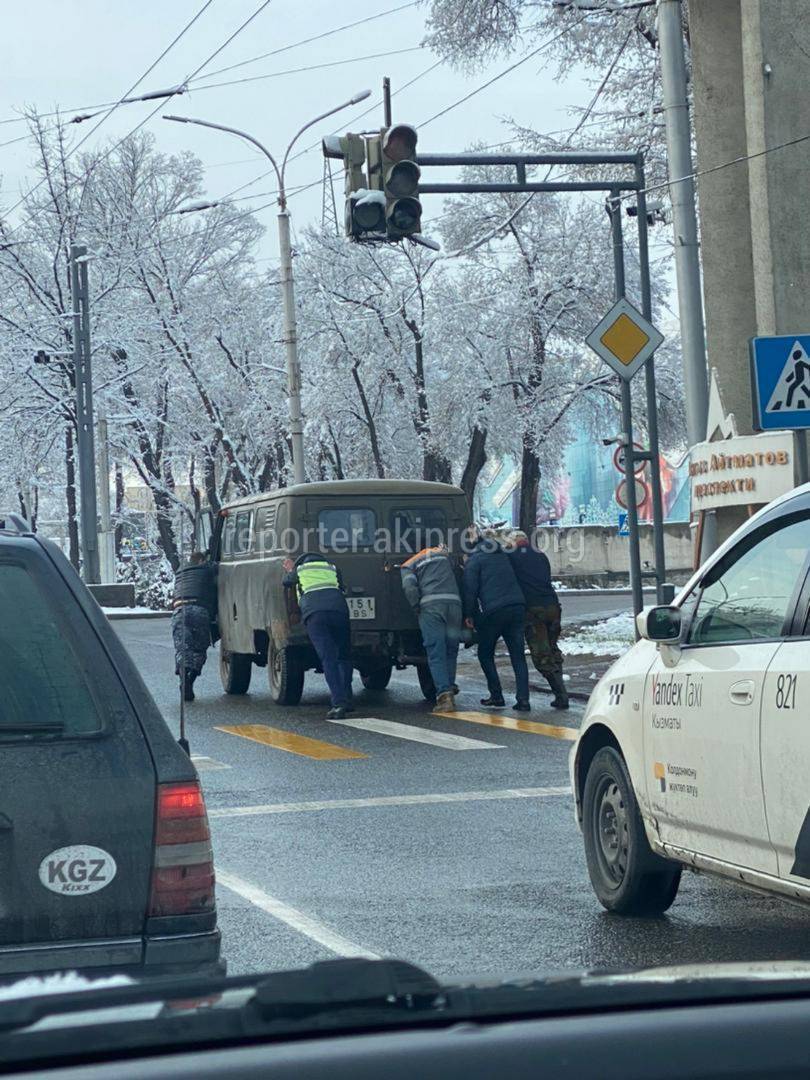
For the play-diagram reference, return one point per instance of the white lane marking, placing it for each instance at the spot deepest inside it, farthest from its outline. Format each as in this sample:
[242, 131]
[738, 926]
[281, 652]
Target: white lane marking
[388, 800]
[416, 734]
[292, 917]
[207, 764]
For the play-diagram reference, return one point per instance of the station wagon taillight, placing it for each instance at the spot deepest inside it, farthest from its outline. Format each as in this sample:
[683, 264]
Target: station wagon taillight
[183, 869]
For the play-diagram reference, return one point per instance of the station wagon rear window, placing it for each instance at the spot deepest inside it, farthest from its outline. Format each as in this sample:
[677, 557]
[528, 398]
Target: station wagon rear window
[42, 688]
[417, 527]
[344, 528]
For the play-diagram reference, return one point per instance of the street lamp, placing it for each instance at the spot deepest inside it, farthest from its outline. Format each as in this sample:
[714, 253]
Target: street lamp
[289, 335]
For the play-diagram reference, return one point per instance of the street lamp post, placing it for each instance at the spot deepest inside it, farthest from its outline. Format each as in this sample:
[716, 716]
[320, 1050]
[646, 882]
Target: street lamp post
[290, 334]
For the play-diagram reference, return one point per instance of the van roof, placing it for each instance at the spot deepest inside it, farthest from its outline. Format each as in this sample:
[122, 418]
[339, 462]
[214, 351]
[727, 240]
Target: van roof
[352, 488]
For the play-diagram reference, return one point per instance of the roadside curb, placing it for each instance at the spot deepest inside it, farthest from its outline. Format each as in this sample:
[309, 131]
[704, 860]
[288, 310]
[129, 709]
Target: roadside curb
[124, 614]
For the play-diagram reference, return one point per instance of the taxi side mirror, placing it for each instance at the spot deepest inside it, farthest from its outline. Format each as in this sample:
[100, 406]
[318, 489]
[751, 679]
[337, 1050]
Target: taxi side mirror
[661, 624]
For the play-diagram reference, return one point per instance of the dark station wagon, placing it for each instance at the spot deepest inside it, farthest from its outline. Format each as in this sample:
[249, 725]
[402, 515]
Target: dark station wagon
[105, 853]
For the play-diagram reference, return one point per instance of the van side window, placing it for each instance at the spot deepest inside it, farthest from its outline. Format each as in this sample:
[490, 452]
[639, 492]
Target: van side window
[417, 527]
[242, 536]
[44, 687]
[344, 528]
[227, 535]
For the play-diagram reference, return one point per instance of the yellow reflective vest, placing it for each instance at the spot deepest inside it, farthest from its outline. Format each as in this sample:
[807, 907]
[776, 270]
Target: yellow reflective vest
[316, 575]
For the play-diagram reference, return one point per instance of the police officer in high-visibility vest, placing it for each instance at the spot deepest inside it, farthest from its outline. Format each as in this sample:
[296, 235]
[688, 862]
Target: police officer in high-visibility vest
[319, 588]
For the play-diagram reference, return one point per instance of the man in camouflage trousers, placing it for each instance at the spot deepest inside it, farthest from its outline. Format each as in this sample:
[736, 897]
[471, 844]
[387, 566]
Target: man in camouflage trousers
[194, 610]
[543, 613]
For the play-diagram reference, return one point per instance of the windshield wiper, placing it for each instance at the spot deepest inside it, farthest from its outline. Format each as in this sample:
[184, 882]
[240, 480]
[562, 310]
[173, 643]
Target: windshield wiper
[341, 997]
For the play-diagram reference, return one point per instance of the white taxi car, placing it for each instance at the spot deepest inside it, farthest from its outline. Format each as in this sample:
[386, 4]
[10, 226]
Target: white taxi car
[694, 749]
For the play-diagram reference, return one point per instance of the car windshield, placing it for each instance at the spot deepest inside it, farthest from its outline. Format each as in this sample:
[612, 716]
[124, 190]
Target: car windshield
[367, 372]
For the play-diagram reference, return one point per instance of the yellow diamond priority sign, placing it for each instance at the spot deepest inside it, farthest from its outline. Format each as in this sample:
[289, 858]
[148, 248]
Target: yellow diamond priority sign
[624, 339]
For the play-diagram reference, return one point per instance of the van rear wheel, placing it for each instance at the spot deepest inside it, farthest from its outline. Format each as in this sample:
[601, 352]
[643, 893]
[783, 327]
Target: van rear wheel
[376, 678]
[235, 670]
[285, 673]
[426, 683]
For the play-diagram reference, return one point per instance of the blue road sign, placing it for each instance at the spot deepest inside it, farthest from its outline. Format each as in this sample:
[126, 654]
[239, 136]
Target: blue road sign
[780, 382]
[623, 529]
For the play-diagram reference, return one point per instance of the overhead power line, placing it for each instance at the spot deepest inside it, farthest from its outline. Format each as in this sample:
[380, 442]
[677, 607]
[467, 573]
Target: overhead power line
[309, 40]
[161, 104]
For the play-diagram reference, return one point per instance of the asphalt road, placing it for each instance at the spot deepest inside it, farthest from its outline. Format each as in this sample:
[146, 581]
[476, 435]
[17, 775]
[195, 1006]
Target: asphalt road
[460, 856]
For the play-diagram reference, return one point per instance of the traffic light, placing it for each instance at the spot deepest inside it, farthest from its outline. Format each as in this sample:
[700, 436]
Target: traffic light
[393, 170]
[364, 209]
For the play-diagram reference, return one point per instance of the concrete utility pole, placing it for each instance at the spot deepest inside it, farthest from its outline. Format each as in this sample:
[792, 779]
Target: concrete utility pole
[290, 332]
[106, 536]
[684, 217]
[86, 452]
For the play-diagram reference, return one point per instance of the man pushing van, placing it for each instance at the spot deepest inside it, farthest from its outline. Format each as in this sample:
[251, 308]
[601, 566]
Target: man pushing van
[429, 584]
[319, 589]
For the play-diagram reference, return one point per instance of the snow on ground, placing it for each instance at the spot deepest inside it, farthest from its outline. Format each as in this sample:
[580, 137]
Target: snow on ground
[610, 637]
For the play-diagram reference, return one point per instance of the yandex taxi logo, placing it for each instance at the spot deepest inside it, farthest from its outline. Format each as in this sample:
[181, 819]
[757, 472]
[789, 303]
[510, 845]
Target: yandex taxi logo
[677, 691]
[660, 773]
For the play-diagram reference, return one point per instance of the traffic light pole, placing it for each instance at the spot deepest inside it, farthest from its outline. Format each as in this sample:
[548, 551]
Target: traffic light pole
[86, 450]
[614, 188]
[614, 210]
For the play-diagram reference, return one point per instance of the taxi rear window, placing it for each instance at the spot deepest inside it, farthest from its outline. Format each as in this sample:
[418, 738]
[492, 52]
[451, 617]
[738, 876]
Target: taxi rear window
[43, 691]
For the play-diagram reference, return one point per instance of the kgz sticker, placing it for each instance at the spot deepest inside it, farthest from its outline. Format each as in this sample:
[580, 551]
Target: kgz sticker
[77, 870]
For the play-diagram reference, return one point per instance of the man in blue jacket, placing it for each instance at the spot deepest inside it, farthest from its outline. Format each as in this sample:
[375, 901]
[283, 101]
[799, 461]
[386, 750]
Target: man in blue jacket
[495, 605]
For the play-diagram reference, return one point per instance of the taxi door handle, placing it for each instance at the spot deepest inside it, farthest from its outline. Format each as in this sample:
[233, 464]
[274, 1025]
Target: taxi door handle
[742, 693]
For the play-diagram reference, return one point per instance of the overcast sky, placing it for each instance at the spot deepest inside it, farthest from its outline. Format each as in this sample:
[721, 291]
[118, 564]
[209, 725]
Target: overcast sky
[79, 53]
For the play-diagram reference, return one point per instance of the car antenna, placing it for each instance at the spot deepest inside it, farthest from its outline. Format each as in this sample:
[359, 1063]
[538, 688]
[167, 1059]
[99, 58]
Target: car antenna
[182, 741]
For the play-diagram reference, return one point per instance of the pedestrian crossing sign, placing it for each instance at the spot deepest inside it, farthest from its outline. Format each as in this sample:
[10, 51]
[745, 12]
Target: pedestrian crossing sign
[780, 382]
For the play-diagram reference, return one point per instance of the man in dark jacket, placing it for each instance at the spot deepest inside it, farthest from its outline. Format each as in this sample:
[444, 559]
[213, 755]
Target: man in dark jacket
[429, 584]
[319, 588]
[194, 609]
[543, 614]
[494, 603]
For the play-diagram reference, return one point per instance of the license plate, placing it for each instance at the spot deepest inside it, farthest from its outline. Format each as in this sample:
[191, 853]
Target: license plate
[361, 607]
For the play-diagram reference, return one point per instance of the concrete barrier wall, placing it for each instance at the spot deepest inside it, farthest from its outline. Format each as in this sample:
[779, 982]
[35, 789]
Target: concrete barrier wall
[596, 554]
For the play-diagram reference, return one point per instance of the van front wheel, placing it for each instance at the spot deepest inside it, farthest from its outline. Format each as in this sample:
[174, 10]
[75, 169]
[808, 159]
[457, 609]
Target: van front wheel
[285, 672]
[235, 670]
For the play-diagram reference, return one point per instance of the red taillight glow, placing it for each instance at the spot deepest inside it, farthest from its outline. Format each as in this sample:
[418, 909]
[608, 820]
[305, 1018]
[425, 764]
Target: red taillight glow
[183, 873]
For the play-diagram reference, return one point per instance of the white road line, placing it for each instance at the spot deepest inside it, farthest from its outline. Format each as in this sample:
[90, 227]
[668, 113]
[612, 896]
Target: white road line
[416, 734]
[207, 764]
[388, 800]
[292, 917]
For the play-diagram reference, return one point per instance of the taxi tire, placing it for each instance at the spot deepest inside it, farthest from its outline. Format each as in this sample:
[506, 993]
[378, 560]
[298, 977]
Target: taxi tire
[426, 683]
[235, 670]
[377, 678]
[285, 674]
[647, 884]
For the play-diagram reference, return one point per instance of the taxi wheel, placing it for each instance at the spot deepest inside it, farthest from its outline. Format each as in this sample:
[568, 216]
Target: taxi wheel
[235, 670]
[376, 678]
[285, 673]
[426, 683]
[627, 876]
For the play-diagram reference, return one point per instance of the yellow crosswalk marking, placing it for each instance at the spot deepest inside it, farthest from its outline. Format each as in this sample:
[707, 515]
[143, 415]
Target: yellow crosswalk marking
[294, 744]
[512, 723]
